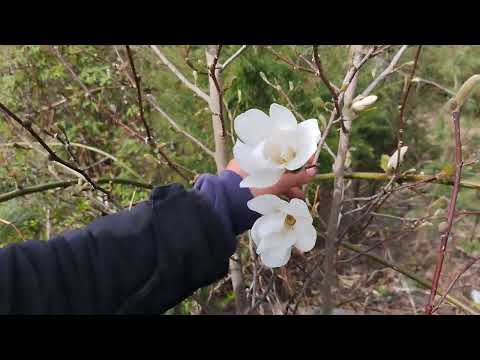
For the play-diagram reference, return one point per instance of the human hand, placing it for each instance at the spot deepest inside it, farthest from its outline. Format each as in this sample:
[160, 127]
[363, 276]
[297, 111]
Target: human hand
[289, 184]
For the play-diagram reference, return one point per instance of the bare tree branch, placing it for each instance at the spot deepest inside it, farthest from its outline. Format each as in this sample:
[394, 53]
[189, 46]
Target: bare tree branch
[179, 75]
[410, 275]
[221, 157]
[9, 223]
[216, 107]
[64, 184]
[458, 276]
[65, 63]
[338, 188]
[288, 61]
[177, 127]
[52, 155]
[346, 83]
[450, 212]
[389, 69]
[401, 122]
[155, 149]
[233, 57]
[320, 73]
[139, 93]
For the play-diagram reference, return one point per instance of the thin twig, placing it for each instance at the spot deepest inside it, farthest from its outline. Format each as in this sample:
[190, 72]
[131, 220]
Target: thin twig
[408, 178]
[64, 184]
[403, 103]
[408, 274]
[177, 127]
[179, 75]
[389, 69]
[52, 155]
[233, 57]
[288, 61]
[139, 93]
[449, 288]
[450, 213]
[338, 187]
[65, 63]
[17, 230]
[264, 296]
[320, 72]
[213, 75]
[155, 149]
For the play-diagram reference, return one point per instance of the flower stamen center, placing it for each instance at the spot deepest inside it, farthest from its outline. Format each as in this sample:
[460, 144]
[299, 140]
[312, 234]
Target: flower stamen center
[279, 152]
[287, 155]
[290, 220]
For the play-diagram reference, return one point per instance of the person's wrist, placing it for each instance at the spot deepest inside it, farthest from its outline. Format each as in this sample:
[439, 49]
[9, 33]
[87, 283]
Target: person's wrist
[242, 217]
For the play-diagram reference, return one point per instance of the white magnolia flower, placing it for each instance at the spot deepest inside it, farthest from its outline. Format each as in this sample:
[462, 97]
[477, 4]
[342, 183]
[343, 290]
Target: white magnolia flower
[283, 225]
[393, 161]
[269, 145]
[363, 103]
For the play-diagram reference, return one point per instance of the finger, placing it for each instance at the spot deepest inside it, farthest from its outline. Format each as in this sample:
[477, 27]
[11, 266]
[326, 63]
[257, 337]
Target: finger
[298, 179]
[296, 192]
[311, 161]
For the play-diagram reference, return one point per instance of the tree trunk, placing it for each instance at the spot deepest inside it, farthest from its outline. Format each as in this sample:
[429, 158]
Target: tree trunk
[221, 159]
[338, 188]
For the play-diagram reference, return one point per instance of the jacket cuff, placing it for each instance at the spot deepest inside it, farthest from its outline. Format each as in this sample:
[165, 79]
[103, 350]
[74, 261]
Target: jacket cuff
[228, 199]
[242, 217]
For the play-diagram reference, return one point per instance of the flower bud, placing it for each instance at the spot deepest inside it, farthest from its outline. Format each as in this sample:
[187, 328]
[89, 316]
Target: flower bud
[442, 227]
[393, 161]
[363, 103]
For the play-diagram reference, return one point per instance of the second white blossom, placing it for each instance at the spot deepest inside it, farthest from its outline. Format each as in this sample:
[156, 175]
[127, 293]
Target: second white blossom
[282, 226]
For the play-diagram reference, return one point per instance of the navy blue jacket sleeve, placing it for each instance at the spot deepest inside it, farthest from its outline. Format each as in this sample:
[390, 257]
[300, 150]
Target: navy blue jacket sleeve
[228, 199]
[139, 261]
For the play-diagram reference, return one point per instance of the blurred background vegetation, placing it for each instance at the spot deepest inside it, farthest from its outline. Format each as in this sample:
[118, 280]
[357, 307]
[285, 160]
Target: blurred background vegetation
[33, 81]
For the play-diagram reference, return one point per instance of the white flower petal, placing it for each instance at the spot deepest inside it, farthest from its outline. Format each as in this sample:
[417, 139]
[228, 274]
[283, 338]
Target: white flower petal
[307, 137]
[302, 155]
[276, 257]
[282, 117]
[305, 235]
[262, 178]
[298, 209]
[266, 204]
[251, 159]
[393, 161]
[283, 239]
[244, 155]
[266, 225]
[309, 131]
[253, 126]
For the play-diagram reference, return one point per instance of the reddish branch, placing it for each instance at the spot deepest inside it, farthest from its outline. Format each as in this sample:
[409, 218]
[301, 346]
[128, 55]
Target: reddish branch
[139, 93]
[322, 76]
[450, 212]
[155, 149]
[213, 75]
[465, 269]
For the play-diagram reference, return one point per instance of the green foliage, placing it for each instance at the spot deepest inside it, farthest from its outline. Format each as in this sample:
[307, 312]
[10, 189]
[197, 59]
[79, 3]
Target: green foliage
[470, 247]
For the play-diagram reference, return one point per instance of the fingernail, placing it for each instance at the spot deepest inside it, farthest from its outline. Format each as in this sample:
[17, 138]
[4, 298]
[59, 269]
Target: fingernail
[311, 171]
